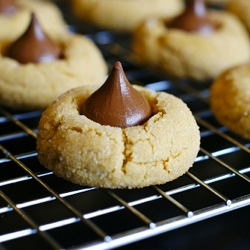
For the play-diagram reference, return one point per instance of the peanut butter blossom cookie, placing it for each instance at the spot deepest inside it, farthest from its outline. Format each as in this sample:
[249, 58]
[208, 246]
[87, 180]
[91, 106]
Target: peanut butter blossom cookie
[35, 69]
[198, 44]
[117, 136]
[15, 16]
[229, 98]
[124, 15]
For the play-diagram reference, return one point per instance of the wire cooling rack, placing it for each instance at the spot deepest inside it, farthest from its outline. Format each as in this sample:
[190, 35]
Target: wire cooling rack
[41, 211]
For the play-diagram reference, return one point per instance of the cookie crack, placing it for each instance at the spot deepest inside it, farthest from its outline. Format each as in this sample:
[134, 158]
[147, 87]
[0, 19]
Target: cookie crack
[77, 129]
[127, 156]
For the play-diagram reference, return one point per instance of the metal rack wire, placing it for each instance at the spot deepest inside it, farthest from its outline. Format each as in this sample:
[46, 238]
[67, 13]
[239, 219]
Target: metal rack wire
[37, 209]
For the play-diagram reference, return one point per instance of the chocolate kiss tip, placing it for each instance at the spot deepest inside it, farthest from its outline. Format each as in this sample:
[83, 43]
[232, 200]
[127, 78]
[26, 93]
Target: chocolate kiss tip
[116, 102]
[34, 46]
[117, 65]
[33, 17]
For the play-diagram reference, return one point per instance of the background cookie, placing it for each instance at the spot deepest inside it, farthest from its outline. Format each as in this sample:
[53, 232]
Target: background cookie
[87, 153]
[229, 98]
[191, 55]
[124, 15]
[36, 85]
[48, 14]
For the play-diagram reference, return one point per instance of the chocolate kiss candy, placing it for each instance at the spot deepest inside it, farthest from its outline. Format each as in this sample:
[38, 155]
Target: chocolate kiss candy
[117, 103]
[34, 45]
[194, 19]
[8, 7]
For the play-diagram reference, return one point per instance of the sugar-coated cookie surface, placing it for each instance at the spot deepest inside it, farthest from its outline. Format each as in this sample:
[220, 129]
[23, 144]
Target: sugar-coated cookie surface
[124, 15]
[87, 153]
[36, 85]
[191, 55]
[230, 94]
[48, 14]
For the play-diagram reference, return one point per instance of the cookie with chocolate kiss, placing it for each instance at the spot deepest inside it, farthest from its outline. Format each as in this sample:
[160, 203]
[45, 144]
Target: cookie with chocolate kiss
[36, 67]
[86, 152]
[193, 45]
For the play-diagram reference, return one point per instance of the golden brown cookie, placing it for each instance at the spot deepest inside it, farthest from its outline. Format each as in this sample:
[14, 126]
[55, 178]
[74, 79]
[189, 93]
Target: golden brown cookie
[36, 85]
[124, 15]
[87, 153]
[191, 55]
[240, 8]
[230, 94]
[50, 17]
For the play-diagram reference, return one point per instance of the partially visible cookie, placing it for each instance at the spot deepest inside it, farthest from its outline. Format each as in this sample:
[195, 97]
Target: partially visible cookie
[240, 8]
[229, 99]
[51, 19]
[88, 153]
[36, 85]
[124, 15]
